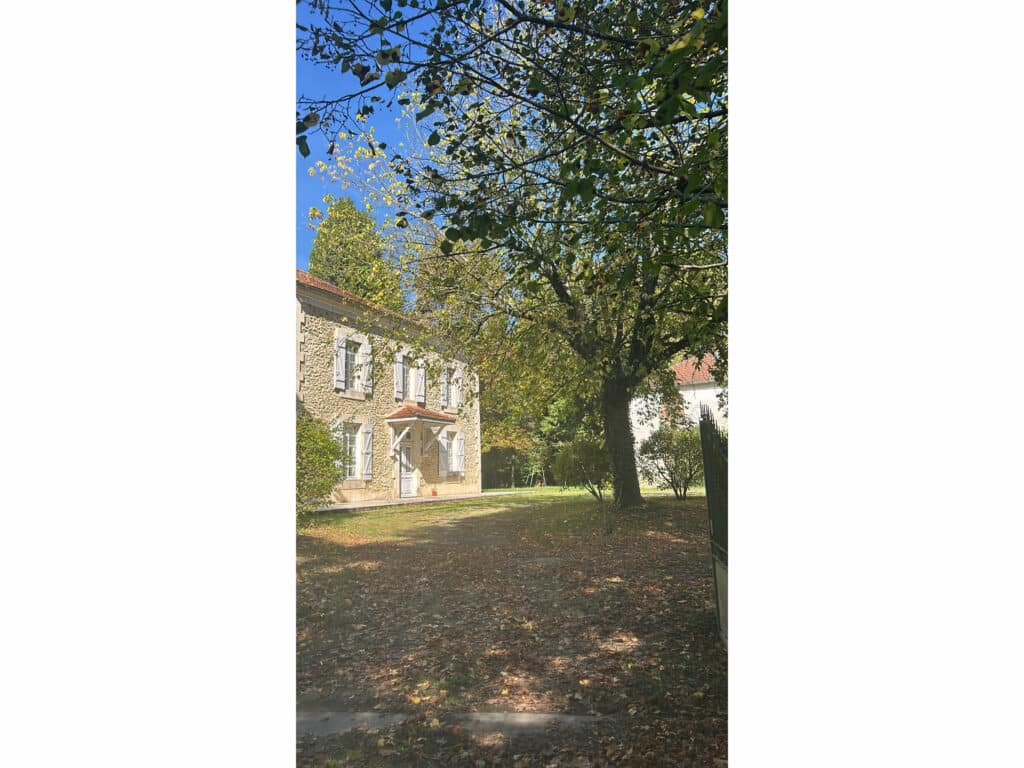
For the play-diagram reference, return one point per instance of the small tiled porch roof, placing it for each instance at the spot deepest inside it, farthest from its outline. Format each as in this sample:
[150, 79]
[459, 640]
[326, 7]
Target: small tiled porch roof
[415, 413]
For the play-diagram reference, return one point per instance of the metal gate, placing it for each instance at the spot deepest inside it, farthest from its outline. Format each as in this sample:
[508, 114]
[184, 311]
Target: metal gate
[715, 452]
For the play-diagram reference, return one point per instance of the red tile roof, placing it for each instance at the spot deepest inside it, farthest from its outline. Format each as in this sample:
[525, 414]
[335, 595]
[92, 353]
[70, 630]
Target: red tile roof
[687, 372]
[415, 412]
[315, 282]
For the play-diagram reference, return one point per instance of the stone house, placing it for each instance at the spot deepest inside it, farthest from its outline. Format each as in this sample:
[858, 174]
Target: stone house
[407, 415]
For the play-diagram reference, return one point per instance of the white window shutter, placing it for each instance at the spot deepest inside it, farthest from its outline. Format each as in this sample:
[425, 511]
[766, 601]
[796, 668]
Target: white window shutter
[460, 453]
[367, 452]
[339, 363]
[458, 387]
[399, 377]
[338, 434]
[442, 455]
[421, 382]
[444, 388]
[368, 368]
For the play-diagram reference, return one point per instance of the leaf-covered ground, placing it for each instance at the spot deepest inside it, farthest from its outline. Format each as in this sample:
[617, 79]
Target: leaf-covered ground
[513, 604]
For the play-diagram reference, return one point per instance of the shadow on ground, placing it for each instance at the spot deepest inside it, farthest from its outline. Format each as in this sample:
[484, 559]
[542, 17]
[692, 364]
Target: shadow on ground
[513, 605]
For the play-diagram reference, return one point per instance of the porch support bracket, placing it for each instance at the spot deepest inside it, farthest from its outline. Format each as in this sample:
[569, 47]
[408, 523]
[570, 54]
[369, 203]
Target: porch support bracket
[430, 440]
[398, 439]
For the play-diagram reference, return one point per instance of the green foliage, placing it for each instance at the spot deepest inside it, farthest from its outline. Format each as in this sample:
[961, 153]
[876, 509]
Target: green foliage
[671, 458]
[583, 462]
[316, 468]
[575, 161]
[349, 253]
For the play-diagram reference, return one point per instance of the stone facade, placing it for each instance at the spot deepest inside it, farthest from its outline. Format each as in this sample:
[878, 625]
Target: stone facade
[326, 316]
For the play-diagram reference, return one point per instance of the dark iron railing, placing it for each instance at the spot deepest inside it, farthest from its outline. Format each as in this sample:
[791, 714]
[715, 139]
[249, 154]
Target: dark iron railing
[715, 452]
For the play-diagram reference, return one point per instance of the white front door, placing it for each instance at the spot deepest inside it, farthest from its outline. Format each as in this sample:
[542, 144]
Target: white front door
[406, 474]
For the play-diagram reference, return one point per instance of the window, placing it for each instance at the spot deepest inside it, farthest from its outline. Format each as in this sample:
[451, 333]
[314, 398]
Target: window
[351, 371]
[451, 388]
[353, 365]
[451, 453]
[347, 436]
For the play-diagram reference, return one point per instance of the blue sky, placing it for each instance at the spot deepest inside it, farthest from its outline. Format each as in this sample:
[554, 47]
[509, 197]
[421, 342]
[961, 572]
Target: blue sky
[314, 81]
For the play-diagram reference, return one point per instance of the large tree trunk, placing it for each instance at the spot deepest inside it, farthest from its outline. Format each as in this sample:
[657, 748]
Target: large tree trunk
[618, 436]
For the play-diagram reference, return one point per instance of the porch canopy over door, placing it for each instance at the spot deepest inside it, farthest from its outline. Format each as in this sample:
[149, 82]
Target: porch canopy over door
[405, 419]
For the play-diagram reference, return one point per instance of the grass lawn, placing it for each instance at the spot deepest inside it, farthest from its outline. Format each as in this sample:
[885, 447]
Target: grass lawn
[555, 491]
[513, 603]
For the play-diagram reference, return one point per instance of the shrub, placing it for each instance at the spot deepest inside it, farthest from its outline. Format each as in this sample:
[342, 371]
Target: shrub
[583, 462]
[671, 458]
[317, 455]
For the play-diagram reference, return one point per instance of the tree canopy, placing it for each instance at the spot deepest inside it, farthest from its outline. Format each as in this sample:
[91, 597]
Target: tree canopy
[349, 253]
[575, 170]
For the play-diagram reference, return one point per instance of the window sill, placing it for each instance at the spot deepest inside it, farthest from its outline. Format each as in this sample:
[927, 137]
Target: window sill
[352, 394]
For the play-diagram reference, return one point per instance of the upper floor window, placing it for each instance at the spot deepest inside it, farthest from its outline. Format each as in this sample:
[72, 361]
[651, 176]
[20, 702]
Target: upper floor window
[353, 365]
[451, 388]
[410, 379]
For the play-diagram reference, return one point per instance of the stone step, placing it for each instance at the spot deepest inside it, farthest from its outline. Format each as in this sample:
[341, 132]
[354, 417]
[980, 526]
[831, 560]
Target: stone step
[330, 723]
[319, 723]
[523, 723]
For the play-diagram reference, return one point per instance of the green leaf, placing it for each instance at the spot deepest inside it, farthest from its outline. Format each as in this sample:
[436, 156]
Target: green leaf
[453, 234]
[426, 112]
[394, 77]
[433, 139]
[446, 247]
[303, 145]
[713, 215]
[587, 190]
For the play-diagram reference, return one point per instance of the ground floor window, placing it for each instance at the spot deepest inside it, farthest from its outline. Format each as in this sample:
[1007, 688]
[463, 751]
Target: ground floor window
[347, 436]
[451, 453]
